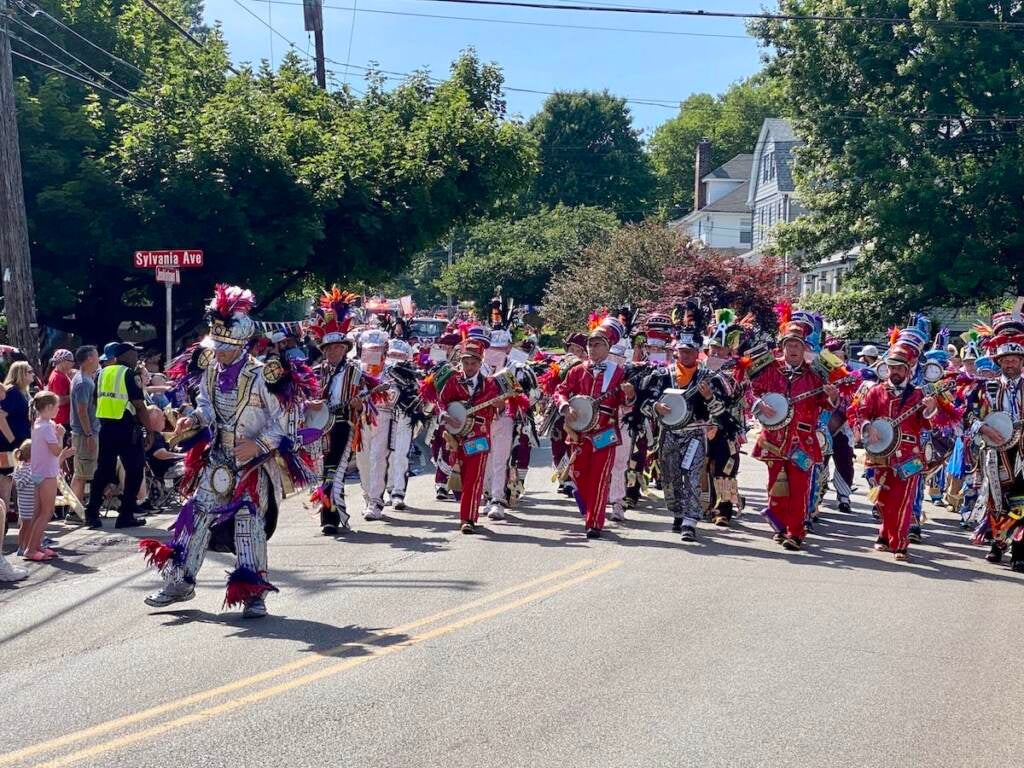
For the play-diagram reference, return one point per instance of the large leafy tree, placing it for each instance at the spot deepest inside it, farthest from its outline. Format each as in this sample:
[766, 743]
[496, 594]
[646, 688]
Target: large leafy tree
[523, 254]
[277, 181]
[590, 154]
[914, 147]
[731, 121]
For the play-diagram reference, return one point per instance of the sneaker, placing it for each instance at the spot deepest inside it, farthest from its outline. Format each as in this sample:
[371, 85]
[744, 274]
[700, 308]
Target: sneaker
[441, 493]
[689, 533]
[468, 527]
[677, 525]
[844, 507]
[1017, 566]
[94, 523]
[593, 533]
[170, 594]
[495, 512]
[778, 538]
[255, 609]
[914, 535]
[9, 573]
[995, 554]
[129, 522]
[791, 543]
[398, 502]
[73, 518]
[900, 555]
[373, 512]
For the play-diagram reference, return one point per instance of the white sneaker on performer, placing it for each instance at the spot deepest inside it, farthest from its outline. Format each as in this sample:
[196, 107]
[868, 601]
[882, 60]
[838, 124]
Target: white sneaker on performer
[10, 572]
[495, 512]
[618, 513]
[373, 512]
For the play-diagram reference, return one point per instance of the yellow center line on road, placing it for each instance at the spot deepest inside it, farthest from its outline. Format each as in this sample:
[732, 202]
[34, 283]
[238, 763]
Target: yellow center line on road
[374, 651]
[246, 682]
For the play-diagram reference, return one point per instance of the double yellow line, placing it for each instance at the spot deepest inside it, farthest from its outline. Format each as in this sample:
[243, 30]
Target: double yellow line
[385, 644]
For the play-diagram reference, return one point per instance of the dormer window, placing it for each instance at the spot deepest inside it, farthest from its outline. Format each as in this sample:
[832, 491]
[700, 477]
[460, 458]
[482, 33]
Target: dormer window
[768, 166]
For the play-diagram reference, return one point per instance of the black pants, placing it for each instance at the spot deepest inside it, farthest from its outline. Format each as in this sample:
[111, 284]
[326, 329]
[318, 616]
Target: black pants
[118, 440]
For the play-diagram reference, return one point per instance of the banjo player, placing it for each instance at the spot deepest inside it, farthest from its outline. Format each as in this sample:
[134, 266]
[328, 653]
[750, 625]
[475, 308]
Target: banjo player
[792, 449]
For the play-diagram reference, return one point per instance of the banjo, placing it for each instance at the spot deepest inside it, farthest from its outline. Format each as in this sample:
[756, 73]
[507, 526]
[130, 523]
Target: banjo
[587, 411]
[462, 413]
[1002, 422]
[782, 406]
[888, 430]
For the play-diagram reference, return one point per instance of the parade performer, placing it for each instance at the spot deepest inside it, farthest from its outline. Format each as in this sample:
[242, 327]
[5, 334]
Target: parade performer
[898, 472]
[234, 468]
[682, 446]
[841, 436]
[791, 449]
[603, 384]
[503, 427]
[725, 338]
[403, 414]
[620, 353]
[340, 386]
[1001, 463]
[444, 359]
[471, 390]
[554, 422]
[373, 431]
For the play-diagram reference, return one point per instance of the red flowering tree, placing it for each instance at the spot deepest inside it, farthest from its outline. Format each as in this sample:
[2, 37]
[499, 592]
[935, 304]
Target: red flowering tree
[721, 282]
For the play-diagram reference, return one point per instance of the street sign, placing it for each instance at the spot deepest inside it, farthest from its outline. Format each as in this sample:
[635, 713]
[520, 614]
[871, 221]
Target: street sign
[178, 259]
[168, 275]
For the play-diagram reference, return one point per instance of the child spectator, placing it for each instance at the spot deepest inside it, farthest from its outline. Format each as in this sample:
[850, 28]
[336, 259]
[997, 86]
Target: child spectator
[158, 455]
[25, 491]
[47, 455]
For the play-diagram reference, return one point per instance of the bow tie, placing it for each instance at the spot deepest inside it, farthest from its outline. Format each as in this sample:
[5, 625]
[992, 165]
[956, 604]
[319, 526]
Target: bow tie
[468, 382]
[600, 367]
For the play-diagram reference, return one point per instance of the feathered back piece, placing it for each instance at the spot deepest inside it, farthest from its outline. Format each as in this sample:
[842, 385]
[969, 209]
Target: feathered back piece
[941, 339]
[894, 334]
[503, 311]
[784, 313]
[229, 299]
[332, 318]
[628, 317]
[689, 313]
[596, 318]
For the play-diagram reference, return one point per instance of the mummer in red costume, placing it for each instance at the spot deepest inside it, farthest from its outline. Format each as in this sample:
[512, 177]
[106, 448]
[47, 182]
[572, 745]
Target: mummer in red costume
[590, 399]
[894, 414]
[472, 400]
[790, 399]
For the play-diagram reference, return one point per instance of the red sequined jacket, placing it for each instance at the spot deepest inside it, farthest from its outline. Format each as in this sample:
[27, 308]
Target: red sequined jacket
[802, 430]
[882, 401]
[455, 391]
[582, 381]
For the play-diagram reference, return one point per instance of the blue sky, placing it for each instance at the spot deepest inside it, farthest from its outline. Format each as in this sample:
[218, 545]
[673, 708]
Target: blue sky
[661, 67]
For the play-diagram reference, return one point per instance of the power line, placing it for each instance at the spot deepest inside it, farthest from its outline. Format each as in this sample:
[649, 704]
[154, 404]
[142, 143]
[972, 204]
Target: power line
[516, 22]
[63, 50]
[181, 30]
[34, 10]
[68, 73]
[880, 20]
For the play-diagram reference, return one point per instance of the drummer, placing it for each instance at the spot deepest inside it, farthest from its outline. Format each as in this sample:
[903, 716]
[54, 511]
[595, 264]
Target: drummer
[470, 450]
[682, 446]
[593, 451]
[791, 449]
[898, 473]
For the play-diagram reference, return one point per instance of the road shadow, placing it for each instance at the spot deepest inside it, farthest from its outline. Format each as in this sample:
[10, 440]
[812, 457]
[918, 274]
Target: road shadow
[327, 640]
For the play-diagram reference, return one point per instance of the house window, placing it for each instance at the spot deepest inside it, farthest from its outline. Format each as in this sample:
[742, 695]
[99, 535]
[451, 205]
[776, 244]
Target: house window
[785, 207]
[768, 166]
[746, 233]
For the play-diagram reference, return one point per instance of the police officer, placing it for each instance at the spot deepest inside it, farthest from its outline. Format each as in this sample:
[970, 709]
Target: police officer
[119, 406]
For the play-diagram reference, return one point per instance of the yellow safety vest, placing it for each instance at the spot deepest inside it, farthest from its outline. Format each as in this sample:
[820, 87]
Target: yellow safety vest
[112, 393]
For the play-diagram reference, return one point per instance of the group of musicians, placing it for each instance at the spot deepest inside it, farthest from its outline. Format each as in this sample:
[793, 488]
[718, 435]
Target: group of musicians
[624, 406]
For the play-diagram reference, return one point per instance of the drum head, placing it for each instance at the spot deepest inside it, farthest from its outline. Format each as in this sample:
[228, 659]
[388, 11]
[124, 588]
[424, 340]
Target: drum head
[1002, 422]
[885, 437]
[584, 408]
[222, 480]
[674, 399]
[317, 419]
[778, 403]
[458, 412]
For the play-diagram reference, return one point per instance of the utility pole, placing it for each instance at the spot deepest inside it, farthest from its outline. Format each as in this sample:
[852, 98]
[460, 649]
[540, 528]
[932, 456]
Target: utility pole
[15, 261]
[313, 15]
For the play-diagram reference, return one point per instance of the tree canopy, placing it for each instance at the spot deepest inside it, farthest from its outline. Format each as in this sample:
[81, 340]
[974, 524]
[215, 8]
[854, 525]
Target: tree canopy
[913, 147]
[522, 254]
[275, 180]
[591, 155]
[731, 121]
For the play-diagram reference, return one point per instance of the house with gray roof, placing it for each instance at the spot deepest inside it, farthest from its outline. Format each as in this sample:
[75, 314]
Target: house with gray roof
[721, 217]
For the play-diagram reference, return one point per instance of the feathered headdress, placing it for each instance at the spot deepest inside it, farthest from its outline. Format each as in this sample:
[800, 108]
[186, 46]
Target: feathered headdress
[784, 313]
[973, 340]
[503, 312]
[596, 318]
[228, 316]
[941, 339]
[689, 312]
[333, 317]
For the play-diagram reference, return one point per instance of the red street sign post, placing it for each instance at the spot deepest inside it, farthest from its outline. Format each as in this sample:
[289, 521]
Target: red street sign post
[167, 266]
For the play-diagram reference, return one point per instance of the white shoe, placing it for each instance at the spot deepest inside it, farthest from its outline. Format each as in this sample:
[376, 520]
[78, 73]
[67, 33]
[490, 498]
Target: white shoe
[10, 572]
[618, 513]
[373, 512]
[495, 512]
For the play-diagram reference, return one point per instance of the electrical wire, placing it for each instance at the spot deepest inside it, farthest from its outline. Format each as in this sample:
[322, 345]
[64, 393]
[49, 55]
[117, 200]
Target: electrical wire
[68, 73]
[181, 30]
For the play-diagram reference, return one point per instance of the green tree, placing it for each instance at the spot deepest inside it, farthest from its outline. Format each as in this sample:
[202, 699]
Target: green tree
[731, 121]
[913, 147]
[522, 254]
[591, 155]
[624, 269]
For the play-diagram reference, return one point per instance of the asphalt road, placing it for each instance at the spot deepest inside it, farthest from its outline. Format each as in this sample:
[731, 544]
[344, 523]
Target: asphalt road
[409, 644]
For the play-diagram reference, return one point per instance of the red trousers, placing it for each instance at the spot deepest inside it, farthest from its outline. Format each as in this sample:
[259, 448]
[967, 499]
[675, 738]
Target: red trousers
[591, 472]
[896, 505]
[787, 513]
[472, 469]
